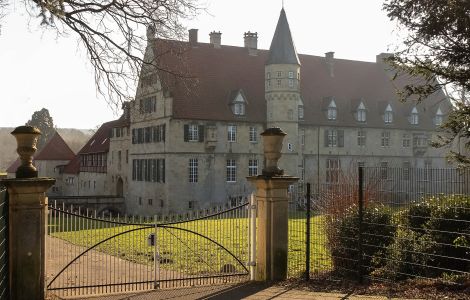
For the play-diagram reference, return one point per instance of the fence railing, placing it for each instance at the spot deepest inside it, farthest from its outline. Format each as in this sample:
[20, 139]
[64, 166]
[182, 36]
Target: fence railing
[4, 243]
[383, 224]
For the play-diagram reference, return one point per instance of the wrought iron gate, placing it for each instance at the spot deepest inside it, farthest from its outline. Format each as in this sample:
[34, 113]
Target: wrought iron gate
[90, 254]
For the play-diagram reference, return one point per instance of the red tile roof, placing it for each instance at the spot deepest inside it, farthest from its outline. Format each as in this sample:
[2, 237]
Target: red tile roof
[215, 72]
[55, 149]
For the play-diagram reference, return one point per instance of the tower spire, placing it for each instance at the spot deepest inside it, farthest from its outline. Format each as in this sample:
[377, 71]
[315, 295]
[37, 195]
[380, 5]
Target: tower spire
[282, 50]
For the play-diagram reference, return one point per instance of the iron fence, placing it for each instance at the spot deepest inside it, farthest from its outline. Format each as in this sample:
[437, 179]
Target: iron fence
[4, 284]
[383, 224]
[91, 254]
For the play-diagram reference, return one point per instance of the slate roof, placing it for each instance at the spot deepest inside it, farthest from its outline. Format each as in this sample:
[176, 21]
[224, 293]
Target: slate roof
[282, 50]
[216, 72]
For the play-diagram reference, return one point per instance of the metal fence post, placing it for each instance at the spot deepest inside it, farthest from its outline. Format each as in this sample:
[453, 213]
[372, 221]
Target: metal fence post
[361, 215]
[307, 232]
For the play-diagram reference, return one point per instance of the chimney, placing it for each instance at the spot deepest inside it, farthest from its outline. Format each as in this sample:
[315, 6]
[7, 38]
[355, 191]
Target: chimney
[251, 40]
[330, 62]
[193, 37]
[215, 39]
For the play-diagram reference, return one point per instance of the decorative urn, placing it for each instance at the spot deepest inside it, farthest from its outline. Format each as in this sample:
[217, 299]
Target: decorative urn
[272, 146]
[26, 138]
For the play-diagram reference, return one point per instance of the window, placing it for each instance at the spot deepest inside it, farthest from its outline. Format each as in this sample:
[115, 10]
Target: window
[361, 164]
[291, 82]
[150, 202]
[232, 133]
[231, 170]
[290, 114]
[239, 109]
[290, 147]
[268, 75]
[301, 112]
[384, 170]
[252, 167]
[361, 113]
[420, 140]
[279, 74]
[388, 116]
[193, 133]
[406, 170]
[385, 139]
[193, 169]
[334, 138]
[279, 82]
[332, 111]
[302, 137]
[361, 138]
[439, 118]
[291, 74]
[148, 105]
[332, 170]
[253, 135]
[150, 170]
[140, 200]
[414, 118]
[406, 140]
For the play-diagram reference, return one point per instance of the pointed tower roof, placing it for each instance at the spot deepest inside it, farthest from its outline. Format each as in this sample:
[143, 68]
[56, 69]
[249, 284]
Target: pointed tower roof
[282, 50]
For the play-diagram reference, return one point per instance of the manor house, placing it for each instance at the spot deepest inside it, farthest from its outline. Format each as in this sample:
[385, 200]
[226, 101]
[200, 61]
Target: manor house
[192, 135]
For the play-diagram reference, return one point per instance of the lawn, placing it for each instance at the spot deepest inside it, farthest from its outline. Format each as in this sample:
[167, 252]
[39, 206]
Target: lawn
[181, 250]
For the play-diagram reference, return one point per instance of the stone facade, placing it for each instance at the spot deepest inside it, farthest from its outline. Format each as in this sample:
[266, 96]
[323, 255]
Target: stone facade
[190, 143]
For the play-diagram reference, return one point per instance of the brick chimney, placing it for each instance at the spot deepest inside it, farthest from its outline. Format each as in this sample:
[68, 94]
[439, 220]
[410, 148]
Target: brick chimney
[215, 39]
[330, 62]
[193, 37]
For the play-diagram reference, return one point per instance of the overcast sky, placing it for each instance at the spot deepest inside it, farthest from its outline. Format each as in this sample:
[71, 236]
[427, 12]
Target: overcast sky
[38, 70]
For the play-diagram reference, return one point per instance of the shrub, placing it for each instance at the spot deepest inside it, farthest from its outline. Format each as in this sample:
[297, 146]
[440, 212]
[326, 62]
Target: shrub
[343, 238]
[433, 241]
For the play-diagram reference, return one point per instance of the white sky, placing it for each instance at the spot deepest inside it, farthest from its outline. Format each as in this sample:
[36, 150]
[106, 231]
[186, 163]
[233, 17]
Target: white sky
[38, 70]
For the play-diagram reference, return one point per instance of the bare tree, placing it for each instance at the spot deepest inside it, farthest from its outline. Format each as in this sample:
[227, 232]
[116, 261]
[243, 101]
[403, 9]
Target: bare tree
[113, 33]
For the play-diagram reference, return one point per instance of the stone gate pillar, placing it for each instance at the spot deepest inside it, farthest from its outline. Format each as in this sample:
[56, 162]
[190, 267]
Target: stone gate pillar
[272, 205]
[27, 221]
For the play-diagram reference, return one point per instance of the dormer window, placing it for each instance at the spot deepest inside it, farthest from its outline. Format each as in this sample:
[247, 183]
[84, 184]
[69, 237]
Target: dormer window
[332, 110]
[239, 109]
[361, 113]
[388, 115]
[238, 104]
[439, 118]
[414, 117]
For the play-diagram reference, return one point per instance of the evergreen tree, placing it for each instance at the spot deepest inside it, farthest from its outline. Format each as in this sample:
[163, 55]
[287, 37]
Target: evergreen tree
[42, 120]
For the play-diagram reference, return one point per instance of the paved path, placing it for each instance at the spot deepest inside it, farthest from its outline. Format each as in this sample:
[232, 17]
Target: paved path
[250, 291]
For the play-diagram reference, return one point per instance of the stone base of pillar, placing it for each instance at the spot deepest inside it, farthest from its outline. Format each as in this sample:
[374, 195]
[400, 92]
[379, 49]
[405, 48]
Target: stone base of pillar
[27, 235]
[272, 204]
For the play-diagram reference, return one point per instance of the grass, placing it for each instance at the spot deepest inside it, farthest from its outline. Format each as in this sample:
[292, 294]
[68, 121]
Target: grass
[188, 253]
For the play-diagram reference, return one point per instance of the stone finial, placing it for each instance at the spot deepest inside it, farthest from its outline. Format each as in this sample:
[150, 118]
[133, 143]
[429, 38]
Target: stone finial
[26, 138]
[272, 143]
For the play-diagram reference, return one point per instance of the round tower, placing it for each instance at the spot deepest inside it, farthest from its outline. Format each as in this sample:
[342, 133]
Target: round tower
[282, 91]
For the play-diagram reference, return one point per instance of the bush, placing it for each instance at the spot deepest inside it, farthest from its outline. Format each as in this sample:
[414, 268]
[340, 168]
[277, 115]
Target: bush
[433, 241]
[343, 238]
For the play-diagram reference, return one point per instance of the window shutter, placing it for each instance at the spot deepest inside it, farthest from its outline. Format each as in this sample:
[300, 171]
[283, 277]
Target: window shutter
[163, 127]
[340, 138]
[326, 137]
[201, 133]
[186, 132]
